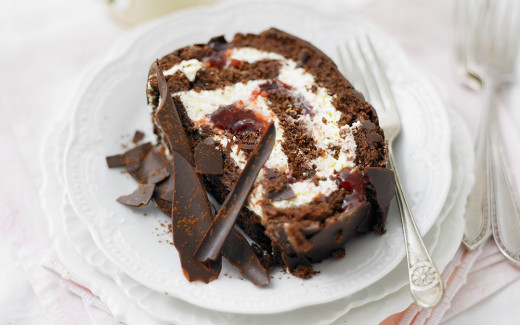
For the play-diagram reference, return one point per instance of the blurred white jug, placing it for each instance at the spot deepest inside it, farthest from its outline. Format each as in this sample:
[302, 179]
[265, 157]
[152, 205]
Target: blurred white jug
[133, 12]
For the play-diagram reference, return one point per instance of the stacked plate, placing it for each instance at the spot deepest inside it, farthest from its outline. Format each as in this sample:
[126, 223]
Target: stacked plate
[125, 256]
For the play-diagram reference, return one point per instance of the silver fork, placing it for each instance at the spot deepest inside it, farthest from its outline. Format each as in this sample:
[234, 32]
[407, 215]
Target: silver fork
[487, 48]
[426, 284]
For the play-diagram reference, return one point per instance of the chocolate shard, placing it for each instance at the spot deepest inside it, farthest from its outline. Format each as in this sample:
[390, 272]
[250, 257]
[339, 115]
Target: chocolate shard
[271, 173]
[138, 198]
[116, 161]
[333, 235]
[168, 119]
[211, 246]
[131, 158]
[191, 218]
[163, 195]
[164, 189]
[383, 184]
[138, 136]
[152, 170]
[163, 205]
[285, 194]
[240, 254]
[208, 160]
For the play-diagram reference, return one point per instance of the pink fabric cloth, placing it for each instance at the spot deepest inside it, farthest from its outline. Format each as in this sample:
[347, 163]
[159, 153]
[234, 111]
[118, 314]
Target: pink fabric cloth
[470, 277]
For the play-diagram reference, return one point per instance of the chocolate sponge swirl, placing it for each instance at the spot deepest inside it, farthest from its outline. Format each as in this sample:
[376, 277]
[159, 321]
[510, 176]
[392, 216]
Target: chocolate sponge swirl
[325, 181]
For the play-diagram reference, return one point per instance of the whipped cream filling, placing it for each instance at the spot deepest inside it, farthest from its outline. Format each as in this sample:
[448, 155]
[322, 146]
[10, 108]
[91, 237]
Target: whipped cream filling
[188, 67]
[323, 125]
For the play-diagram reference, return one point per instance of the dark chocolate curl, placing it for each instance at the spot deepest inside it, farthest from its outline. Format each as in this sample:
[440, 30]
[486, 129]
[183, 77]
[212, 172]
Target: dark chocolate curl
[139, 197]
[240, 254]
[332, 236]
[211, 246]
[152, 170]
[383, 184]
[131, 158]
[208, 160]
[168, 119]
[191, 218]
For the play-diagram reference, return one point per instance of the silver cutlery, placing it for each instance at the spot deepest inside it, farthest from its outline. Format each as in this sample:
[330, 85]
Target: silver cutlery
[367, 71]
[487, 37]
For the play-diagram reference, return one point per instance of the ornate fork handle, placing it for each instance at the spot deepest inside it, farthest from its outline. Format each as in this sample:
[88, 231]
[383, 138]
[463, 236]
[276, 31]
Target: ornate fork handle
[480, 208]
[426, 284]
[504, 209]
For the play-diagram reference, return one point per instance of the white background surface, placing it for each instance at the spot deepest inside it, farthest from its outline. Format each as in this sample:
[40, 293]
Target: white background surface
[44, 46]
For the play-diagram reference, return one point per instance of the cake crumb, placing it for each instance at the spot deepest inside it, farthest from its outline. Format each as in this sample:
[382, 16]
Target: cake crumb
[304, 272]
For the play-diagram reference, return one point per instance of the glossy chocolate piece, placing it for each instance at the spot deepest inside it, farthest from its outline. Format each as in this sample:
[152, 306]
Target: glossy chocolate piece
[304, 243]
[191, 218]
[138, 198]
[208, 160]
[163, 205]
[131, 158]
[285, 194]
[152, 170]
[211, 246]
[168, 120]
[164, 189]
[138, 136]
[383, 184]
[238, 252]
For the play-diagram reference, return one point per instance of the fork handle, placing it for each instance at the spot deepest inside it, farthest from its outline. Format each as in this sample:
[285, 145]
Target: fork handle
[426, 283]
[480, 207]
[506, 221]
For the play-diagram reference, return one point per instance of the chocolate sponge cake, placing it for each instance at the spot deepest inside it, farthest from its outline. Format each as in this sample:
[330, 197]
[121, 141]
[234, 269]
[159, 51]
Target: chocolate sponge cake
[325, 180]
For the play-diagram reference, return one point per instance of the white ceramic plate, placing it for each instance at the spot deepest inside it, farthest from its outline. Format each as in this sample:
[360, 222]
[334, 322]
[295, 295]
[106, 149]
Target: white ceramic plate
[112, 105]
[131, 302]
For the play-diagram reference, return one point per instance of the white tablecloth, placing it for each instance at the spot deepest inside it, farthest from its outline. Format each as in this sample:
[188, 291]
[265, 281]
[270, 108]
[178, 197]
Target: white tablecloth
[44, 46]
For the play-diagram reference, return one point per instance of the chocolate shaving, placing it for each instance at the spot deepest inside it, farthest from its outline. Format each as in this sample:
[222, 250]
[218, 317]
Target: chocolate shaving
[208, 160]
[238, 252]
[191, 218]
[138, 136]
[152, 170]
[163, 205]
[138, 198]
[116, 161]
[271, 173]
[168, 119]
[285, 194]
[383, 184]
[131, 158]
[210, 247]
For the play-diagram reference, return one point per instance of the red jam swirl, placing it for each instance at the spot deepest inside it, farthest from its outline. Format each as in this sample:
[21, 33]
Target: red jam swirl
[222, 60]
[219, 57]
[352, 181]
[237, 119]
